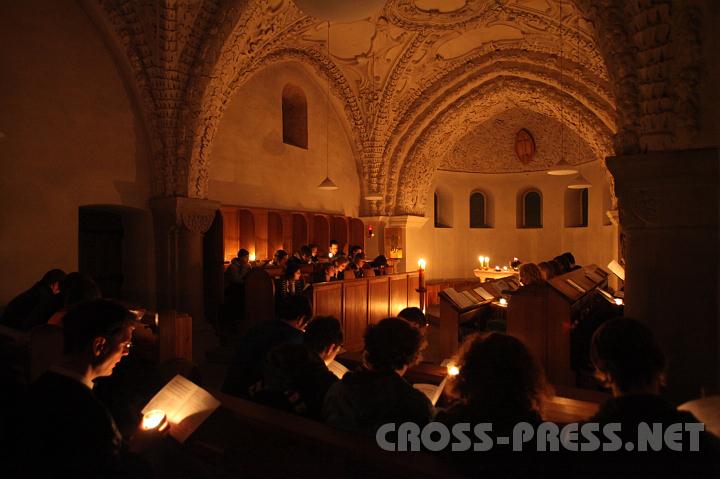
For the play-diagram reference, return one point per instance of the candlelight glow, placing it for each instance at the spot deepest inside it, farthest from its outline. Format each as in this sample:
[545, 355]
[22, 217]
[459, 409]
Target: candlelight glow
[157, 319]
[480, 259]
[503, 302]
[453, 370]
[153, 419]
[252, 256]
[422, 263]
[619, 301]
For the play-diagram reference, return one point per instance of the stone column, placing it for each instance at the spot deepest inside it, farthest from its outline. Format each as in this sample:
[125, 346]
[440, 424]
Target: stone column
[179, 227]
[668, 206]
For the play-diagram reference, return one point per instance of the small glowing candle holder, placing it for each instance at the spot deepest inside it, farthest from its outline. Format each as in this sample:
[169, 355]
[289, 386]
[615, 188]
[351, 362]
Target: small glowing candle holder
[505, 268]
[453, 370]
[154, 419]
[619, 301]
[330, 255]
[503, 302]
[497, 268]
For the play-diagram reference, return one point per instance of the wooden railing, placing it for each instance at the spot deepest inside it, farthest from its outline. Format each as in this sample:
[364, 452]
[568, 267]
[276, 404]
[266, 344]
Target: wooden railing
[359, 302]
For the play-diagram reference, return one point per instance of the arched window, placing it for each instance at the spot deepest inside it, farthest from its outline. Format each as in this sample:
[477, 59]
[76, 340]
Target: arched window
[530, 209]
[478, 211]
[576, 208]
[294, 116]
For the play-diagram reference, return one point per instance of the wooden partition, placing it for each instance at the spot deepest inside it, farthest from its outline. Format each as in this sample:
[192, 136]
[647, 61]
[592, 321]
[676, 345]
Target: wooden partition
[339, 231]
[263, 231]
[275, 233]
[543, 317]
[363, 301]
[321, 233]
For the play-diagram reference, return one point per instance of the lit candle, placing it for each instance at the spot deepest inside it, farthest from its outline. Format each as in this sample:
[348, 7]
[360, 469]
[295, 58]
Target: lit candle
[252, 256]
[505, 268]
[487, 261]
[154, 419]
[619, 301]
[453, 370]
[503, 302]
[157, 320]
[497, 268]
[421, 272]
[481, 259]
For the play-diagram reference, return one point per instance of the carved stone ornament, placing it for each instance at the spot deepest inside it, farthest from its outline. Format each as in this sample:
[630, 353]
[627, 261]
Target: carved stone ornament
[644, 205]
[524, 146]
[198, 221]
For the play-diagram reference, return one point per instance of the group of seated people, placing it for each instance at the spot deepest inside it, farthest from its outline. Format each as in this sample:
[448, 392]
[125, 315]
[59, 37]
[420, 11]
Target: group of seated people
[531, 273]
[284, 364]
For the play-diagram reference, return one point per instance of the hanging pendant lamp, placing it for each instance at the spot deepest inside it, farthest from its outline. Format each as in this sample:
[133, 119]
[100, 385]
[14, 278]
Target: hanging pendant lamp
[327, 184]
[579, 183]
[562, 167]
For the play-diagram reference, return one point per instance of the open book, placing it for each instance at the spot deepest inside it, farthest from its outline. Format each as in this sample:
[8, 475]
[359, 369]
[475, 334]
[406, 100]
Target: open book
[186, 406]
[461, 299]
[337, 369]
[432, 392]
[484, 294]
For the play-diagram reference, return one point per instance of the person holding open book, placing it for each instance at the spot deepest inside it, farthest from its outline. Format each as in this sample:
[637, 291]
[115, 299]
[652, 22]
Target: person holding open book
[245, 369]
[65, 430]
[296, 376]
[378, 394]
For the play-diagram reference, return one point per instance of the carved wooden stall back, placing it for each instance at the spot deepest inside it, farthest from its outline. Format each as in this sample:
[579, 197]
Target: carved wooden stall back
[378, 292]
[259, 296]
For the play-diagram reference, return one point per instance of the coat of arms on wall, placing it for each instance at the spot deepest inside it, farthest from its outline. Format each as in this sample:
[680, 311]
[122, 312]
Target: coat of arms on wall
[524, 146]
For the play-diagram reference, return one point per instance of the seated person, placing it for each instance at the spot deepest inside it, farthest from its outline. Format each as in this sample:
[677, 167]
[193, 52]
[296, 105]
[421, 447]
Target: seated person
[314, 253]
[358, 267]
[279, 260]
[237, 270]
[500, 383]
[416, 317]
[556, 267]
[18, 311]
[296, 376]
[377, 394]
[341, 264]
[564, 263]
[291, 283]
[570, 261]
[334, 250]
[379, 265]
[629, 361]
[530, 274]
[330, 273]
[66, 431]
[82, 290]
[545, 271]
[304, 256]
[354, 249]
[245, 369]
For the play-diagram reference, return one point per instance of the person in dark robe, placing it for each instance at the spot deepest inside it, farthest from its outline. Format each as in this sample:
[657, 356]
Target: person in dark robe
[377, 393]
[18, 311]
[296, 376]
[499, 382]
[64, 430]
[628, 359]
[246, 367]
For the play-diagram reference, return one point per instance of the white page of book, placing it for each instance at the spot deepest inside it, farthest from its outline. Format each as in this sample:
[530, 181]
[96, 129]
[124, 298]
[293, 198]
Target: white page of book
[575, 285]
[337, 369]
[459, 299]
[186, 406]
[432, 391]
[484, 294]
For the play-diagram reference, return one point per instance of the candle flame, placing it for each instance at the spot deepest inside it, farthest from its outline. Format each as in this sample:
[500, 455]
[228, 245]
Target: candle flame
[503, 301]
[153, 419]
[252, 256]
[422, 263]
[453, 370]
[619, 301]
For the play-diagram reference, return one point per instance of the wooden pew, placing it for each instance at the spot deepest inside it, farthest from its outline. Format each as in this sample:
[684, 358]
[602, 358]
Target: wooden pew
[245, 439]
[542, 317]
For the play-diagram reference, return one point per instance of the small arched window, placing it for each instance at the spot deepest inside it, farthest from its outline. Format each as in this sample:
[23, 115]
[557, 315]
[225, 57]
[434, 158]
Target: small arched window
[294, 116]
[531, 209]
[478, 211]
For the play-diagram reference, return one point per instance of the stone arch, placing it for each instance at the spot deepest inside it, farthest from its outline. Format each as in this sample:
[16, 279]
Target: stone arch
[441, 129]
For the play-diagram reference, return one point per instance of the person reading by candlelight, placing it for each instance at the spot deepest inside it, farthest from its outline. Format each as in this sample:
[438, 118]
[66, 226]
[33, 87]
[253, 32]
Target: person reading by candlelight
[304, 256]
[358, 267]
[291, 283]
[280, 259]
[341, 265]
[314, 258]
[530, 274]
[296, 376]
[245, 369]
[379, 265]
[499, 382]
[378, 394]
[416, 317]
[545, 271]
[18, 310]
[64, 430]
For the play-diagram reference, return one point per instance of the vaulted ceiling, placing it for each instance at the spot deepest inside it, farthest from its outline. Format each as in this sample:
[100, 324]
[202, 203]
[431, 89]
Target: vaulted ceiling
[417, 79]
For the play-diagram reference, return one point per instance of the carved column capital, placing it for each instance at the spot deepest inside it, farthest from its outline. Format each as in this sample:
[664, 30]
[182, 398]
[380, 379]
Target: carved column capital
[189, 214]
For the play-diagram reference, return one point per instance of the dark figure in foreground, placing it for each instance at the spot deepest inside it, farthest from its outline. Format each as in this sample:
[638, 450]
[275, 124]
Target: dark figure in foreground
[247, 364]
[377, 394]
[630, 362]
[296, 376]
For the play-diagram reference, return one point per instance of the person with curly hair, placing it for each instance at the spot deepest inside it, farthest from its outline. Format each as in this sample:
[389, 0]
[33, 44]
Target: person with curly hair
[499, 382]
[377, 393]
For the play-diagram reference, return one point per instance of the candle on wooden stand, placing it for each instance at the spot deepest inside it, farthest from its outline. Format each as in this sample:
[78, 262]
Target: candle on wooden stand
[421, 280]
